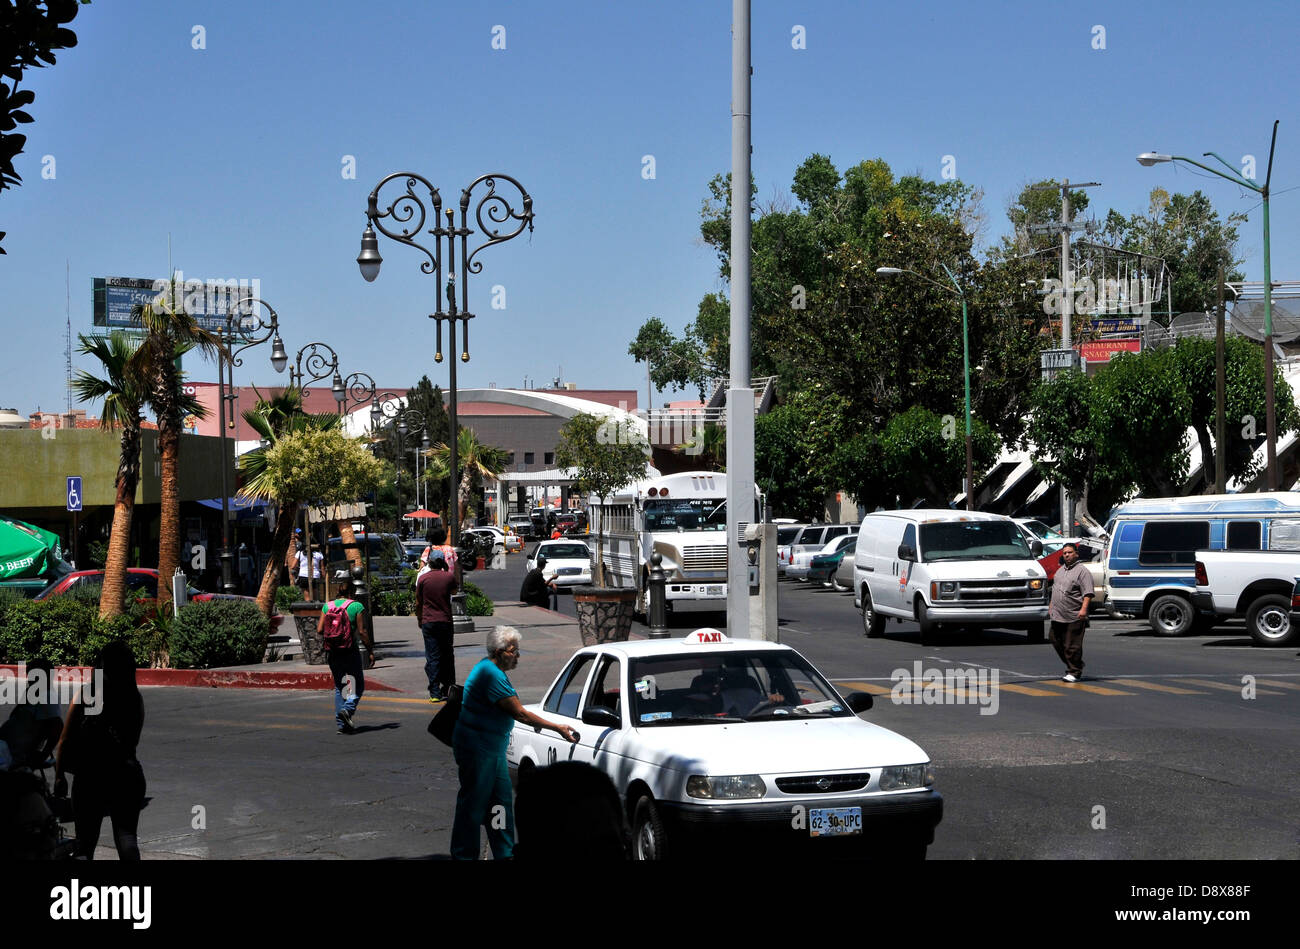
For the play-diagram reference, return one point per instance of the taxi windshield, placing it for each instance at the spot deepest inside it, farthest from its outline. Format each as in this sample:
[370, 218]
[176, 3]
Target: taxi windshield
[714, 687]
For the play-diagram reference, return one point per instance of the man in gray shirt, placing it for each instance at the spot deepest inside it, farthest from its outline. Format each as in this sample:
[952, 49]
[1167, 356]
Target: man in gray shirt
[1071, 592]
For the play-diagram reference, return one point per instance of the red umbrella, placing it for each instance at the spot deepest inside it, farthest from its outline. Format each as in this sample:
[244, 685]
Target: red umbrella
[421, 515]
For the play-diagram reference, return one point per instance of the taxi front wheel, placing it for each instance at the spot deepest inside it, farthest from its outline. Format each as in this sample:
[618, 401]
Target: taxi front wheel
[649, 840]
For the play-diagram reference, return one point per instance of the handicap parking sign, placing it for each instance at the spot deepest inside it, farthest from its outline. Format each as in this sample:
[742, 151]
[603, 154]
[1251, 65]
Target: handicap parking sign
[74, 494]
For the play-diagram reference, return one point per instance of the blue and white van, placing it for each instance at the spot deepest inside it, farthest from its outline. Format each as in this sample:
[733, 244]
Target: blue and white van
[1151, 555]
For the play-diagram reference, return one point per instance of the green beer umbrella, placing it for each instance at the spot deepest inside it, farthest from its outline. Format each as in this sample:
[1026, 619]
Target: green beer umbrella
[26, 551]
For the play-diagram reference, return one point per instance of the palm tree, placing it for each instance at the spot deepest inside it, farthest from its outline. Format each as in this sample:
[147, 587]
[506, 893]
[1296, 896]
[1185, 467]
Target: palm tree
[273, 418]
[124, 393]
[476, 460]
[171, 333]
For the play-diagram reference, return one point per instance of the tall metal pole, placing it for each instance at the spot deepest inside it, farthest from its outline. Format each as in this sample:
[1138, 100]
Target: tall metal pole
[1270, 421]
[740, 397]
[227, 580]
[1067, 317]
[965, 354]
[1220, 399]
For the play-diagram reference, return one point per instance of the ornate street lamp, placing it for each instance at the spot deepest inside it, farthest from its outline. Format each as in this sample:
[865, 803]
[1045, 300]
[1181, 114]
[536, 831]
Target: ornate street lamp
[358, 388]
[388, 408]
[408, 212]
[242, 328]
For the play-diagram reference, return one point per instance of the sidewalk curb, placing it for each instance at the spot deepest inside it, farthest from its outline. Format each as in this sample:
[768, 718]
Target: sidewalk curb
[216, 678]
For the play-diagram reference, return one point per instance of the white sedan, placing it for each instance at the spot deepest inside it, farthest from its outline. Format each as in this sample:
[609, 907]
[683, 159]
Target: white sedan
[706, 736]
[568, 562]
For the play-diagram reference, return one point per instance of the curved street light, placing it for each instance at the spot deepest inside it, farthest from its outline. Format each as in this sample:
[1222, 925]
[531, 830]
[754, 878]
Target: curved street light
[242, 327]
[965, 355]
[407, 215]
[1148, 159]
[390, 407]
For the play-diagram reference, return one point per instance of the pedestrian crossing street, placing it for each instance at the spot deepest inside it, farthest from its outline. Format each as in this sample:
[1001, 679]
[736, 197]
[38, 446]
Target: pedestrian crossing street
[1056, 688]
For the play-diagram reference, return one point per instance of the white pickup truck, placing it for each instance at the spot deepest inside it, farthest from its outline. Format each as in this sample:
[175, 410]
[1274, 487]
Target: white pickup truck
[1255, 584]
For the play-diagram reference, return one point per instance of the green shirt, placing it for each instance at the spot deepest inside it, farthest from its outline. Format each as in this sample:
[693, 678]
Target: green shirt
[488, 723]
[354, 610]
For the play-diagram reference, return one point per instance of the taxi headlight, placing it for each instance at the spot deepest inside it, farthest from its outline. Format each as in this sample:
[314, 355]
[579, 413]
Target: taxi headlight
[726, 788]
[902, 776]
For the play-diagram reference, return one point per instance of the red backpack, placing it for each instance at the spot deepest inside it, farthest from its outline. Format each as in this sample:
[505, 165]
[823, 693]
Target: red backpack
[337, 630]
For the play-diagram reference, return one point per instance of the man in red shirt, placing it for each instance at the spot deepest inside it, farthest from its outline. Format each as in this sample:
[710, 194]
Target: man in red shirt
[433, 607]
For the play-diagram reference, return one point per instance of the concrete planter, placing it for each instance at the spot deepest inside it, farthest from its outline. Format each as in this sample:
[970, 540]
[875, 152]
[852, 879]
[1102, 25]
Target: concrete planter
[604, 613]
[305, 617]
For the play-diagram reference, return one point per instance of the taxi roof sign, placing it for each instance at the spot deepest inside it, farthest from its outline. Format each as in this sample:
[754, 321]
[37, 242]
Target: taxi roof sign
[707, 635]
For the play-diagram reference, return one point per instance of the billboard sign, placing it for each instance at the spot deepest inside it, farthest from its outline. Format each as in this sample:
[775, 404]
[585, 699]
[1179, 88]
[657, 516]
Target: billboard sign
[207, 301]
[1101, 350]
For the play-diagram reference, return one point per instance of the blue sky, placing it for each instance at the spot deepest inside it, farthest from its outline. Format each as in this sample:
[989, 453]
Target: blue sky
[236, 151]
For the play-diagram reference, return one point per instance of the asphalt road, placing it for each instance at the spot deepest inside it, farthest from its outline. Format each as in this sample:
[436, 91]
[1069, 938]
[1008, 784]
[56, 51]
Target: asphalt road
[1162, 753]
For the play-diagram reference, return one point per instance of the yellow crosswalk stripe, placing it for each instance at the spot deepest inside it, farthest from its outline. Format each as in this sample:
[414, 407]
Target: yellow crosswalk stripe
[1085, 687]
[246, 723]
[395, 698]
[1024, 689]
[869, 687]
[1273, 683]
[1155, 686]
[1225, 686]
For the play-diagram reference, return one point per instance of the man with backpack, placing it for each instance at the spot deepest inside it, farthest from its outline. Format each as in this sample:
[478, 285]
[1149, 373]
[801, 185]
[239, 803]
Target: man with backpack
[342, 626]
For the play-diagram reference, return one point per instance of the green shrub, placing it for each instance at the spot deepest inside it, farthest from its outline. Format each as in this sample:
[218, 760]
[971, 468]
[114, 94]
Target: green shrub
[218, 633]
[393, 603]
[98, 553]
[54, 628]
[285, 597]
[476, 602]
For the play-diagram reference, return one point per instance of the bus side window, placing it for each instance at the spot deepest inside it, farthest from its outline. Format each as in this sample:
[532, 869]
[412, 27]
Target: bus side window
[1243, 535]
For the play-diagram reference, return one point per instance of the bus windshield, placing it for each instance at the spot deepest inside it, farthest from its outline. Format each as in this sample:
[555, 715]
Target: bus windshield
[681, 514]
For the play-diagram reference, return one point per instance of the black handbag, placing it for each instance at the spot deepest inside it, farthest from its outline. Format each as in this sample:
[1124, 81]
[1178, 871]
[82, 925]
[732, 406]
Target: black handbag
[443, 725]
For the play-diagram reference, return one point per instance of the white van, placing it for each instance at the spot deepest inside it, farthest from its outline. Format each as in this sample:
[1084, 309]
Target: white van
[945, 567]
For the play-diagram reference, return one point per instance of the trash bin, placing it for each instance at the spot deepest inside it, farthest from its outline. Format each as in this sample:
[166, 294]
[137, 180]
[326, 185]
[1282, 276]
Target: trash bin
[604, 613]
[306, 615]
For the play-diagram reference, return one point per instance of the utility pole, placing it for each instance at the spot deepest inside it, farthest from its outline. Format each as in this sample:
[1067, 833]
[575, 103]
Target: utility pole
[740, 397]
[1065, 357]
[1220, 398]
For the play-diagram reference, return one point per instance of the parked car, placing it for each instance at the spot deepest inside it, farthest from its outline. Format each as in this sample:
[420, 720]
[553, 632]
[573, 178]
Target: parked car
[141, 584]
[388, 558]
[568, 562]
[822, 567]
[786, 534]
[937, 567]
[706, 737]
[802, 557]
[521, 524]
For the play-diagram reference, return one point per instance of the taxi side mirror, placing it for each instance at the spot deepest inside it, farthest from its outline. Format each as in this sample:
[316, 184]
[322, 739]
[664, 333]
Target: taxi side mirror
[859, 702]
[600, 717]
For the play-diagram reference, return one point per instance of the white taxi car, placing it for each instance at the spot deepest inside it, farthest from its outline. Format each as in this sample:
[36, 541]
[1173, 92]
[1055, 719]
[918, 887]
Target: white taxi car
[708, 736]
[568, 562]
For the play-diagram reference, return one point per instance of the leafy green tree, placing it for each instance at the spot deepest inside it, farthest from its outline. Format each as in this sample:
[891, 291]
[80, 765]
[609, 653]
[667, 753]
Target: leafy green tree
[31, 31]
[1194, 360]
[793, 444]
[124, 391]
[605, 454]
[477, 461]
[170, 332]
[275, 418]
[1187, 233]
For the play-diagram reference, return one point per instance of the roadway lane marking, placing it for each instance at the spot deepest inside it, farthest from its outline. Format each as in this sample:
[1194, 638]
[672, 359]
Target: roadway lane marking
[1278, 685]
[392, 698]
[1084, 687]
[1024, 689]
[247, 724]
[1225, 686]
[864, 686]
[1155, 686]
